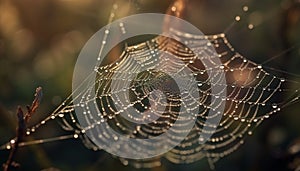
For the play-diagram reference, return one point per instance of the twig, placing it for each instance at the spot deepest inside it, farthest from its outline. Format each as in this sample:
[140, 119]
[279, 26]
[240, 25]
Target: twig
[21, 128]
[177, 9]
[35, 104]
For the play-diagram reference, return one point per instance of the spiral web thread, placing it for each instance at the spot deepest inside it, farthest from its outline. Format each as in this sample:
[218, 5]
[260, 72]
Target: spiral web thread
[253, 95]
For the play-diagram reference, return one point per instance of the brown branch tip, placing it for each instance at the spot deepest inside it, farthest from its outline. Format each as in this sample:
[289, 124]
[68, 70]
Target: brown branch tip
[21, 128]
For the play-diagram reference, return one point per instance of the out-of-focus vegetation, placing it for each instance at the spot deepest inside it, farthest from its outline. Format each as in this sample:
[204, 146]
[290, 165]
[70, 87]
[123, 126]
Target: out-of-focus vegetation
[40, 42]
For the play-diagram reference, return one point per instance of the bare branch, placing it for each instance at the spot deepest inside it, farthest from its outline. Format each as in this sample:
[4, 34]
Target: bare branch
[21, 128]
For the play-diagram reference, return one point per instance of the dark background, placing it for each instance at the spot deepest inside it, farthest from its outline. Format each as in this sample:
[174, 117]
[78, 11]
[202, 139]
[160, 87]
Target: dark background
[40, 42]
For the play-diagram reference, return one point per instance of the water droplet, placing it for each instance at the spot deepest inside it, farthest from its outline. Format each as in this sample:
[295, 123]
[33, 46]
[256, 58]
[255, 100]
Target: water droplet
[201, 139]
[173, 8]
[125, 162]
[250, 26]
[245, 8]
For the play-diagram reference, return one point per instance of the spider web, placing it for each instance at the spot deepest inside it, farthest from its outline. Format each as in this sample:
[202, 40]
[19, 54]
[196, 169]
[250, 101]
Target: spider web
[252, 97]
